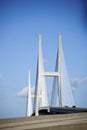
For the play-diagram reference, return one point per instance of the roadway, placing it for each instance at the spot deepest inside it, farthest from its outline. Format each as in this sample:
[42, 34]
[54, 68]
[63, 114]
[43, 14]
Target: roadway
[76, 121]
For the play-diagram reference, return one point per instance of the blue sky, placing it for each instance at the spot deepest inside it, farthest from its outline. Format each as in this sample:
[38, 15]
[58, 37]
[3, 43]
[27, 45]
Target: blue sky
[20, 23]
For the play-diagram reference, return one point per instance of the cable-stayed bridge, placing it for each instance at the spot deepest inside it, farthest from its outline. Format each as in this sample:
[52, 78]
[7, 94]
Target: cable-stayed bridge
[61, 91]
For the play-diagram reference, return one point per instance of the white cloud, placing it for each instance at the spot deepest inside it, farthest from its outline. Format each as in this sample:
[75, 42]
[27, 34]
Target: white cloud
[83, 80]
[24, 91]
[76, 81]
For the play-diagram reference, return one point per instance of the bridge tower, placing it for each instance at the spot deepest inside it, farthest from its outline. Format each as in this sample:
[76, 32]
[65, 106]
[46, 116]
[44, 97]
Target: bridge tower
[42, 74]
[61, 91]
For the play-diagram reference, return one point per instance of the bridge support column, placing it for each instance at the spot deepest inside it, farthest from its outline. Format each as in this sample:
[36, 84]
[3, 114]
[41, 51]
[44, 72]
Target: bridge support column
[38, 77]
[59, 70]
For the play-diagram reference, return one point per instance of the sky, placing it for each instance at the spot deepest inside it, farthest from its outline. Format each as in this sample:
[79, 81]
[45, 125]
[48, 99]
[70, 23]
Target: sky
[21, 21]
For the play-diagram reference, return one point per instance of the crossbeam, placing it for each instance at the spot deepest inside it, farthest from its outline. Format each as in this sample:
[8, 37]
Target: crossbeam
[54, 74]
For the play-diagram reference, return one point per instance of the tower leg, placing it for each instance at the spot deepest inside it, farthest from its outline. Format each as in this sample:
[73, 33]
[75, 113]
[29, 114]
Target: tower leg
[38, 77]
[59, 70]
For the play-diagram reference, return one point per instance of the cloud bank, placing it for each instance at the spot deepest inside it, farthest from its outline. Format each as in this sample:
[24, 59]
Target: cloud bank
[76, 81]
[24, 91]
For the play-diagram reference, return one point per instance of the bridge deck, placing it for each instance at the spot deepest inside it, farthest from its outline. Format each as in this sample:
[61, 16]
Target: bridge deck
[60, 110]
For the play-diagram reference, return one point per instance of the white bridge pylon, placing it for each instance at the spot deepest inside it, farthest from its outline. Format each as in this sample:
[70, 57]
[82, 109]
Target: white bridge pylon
[61, 92]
